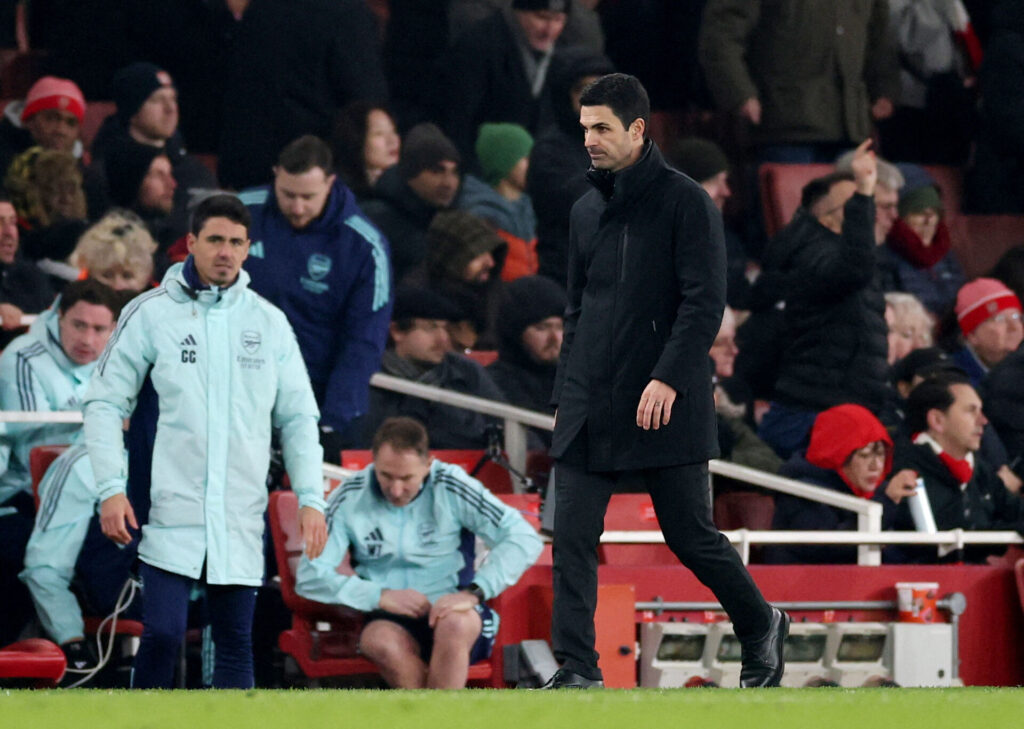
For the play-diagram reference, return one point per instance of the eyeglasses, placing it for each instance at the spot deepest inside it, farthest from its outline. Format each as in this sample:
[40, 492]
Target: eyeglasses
[1005, 316]
[870, 452]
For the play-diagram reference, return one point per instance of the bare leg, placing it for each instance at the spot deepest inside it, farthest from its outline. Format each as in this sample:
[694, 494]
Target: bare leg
[454, 636]
[396, 654]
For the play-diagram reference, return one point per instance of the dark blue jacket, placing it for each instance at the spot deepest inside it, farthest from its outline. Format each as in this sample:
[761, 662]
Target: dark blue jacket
[332, 279]
[795, 513]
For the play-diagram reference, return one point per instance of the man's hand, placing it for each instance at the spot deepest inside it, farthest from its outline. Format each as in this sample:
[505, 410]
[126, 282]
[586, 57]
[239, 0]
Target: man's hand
[116, 515]
[865, 168]
[411, 603]
[313, 529]
[453, 603]
[751, 110]
[881, 109]
[655, 406]
[11, 316]
[902, 485]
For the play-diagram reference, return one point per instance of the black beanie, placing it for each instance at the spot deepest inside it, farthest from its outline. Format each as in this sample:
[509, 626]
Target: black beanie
[133, 84]
[699, 158]
[556, 6]
[126, 165]
[526, 301]
[425, 147]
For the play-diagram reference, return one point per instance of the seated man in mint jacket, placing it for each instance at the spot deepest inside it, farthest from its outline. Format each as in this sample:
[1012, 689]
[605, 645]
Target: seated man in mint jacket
[226, 370]
[409, 521]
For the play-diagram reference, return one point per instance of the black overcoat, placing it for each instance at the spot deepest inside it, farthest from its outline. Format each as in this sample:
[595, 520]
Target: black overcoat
[646, 289]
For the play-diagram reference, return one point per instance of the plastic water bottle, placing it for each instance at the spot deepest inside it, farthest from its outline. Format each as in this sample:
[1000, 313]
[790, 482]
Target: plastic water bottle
[921, 510]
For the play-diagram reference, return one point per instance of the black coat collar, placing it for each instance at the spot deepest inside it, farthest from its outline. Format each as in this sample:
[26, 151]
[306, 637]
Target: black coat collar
[620, 188]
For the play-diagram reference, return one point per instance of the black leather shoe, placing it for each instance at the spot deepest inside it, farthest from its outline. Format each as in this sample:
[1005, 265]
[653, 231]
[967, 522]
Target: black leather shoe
[762, 659]
[566, 679]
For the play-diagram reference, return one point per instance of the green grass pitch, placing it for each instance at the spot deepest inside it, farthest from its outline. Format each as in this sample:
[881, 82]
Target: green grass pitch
[964, 708]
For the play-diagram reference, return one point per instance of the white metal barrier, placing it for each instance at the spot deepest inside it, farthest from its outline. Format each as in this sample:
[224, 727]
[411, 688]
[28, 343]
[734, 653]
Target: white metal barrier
[869, 536]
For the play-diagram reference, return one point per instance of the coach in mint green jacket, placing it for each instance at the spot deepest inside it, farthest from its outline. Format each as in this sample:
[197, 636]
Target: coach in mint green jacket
[226, 370]
[226, 367]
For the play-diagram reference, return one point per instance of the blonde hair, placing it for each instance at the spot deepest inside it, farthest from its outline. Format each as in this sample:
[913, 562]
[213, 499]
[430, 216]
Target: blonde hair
[909, 314]
[117, 240]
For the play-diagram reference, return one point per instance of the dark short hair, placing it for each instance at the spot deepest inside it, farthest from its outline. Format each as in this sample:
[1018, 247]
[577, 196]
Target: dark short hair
[304, 154]
[935, 393]
[5, 197]
[221, 205]
[402, 434]
[623, 94]
[820, 187]
[91, 291]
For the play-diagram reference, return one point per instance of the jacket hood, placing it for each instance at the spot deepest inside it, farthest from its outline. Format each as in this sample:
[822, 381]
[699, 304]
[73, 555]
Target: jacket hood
[392, 188]
[526, 301]
[340, 205]
[455, 238]
[512, 216]
[182, 283]
[46, 328]
[841, 430]
[568, 67]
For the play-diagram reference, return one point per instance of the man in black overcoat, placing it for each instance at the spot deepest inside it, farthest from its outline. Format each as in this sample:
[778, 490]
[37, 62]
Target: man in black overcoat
[646, 286]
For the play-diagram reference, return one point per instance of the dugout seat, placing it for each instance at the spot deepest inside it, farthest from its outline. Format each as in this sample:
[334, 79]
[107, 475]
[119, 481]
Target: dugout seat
[633, 512]
[39, 459]
[482, 357]
[493, 476]
[323, 638]
[35, 661]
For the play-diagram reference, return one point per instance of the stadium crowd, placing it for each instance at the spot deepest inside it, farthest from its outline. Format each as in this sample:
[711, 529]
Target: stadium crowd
[407, 171]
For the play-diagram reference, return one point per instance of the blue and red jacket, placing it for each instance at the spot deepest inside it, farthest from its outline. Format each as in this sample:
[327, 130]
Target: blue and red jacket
[332, 279]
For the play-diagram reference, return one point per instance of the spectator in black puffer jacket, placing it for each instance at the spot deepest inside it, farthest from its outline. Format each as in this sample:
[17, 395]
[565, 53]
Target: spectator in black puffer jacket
[1003, 393]
[529, 339]
[850, 453]
[558, 163]
[836, 335]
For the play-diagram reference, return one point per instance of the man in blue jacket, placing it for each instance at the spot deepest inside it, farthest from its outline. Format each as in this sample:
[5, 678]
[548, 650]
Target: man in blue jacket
[405, 518]
[227, 371]
[317, 257]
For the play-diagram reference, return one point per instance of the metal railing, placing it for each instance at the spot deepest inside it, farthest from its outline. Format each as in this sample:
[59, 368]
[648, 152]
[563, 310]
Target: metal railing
[869, 537]
[516, 419]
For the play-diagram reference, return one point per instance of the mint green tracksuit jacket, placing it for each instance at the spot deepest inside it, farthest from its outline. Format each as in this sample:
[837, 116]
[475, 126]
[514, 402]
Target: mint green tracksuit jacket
[36, 374]
[226, 369]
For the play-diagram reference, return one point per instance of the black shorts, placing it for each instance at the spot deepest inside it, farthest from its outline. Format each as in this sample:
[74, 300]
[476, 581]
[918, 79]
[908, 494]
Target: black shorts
[423, 634]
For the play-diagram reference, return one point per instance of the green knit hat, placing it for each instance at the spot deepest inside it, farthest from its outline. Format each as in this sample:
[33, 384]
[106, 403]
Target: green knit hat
[499, 147]
[919, 200]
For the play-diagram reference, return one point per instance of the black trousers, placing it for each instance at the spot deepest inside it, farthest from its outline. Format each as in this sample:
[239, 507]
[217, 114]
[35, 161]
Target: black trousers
[682, 502]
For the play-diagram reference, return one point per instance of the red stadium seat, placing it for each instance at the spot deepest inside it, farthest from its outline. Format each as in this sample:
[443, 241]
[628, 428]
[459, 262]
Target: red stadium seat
[331, 652]
[39, 459]
[35, 660]
[633, 512]
[482, 357]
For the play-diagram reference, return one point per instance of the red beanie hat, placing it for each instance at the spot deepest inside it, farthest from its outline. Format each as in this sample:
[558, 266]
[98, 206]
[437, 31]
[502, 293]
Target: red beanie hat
[980, 299]
[841, 430]
[51, 92]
